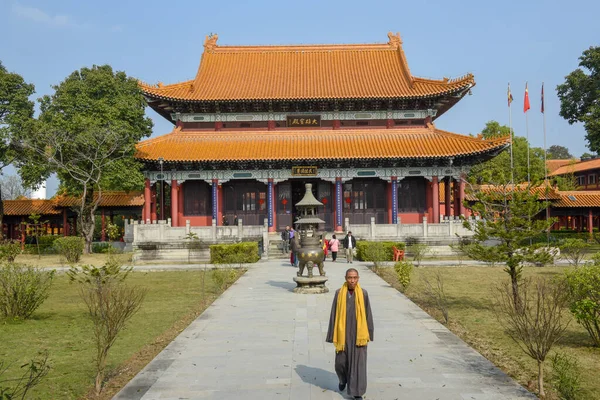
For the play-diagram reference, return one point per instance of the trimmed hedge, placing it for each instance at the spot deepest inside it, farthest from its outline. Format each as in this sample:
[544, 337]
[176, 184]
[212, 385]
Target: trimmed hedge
[245, 252]
[364, 250]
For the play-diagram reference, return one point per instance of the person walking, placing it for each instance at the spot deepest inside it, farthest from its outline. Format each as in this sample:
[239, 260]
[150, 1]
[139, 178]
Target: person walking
[334, 247]
[285, 240]
[295, 245]
[349, 243]
[350, 329]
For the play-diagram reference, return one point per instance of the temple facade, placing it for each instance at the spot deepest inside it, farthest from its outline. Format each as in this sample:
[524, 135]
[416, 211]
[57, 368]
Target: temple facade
[259, 122]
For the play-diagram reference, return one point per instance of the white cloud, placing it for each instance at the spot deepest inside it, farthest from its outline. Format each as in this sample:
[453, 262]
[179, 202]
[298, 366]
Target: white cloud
[37, 15]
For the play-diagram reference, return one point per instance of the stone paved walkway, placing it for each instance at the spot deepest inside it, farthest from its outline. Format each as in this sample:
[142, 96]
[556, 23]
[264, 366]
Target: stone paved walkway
[260, 340]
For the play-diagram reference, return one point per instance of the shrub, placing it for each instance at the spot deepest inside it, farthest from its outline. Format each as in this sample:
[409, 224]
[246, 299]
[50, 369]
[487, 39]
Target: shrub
[223, 277]
[113, 231]
[434, 290]
[566, 377]
[584, 288]
[102, 247]
[418, 251]
[47, 244]
[23, 289]
[70, 247]
[9, 250]
[573, 250]
[245, 252]
[376, 251]
[404, 271]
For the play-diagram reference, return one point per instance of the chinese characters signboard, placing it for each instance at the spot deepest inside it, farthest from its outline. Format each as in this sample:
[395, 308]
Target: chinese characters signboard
[303, 121]
[304, 171]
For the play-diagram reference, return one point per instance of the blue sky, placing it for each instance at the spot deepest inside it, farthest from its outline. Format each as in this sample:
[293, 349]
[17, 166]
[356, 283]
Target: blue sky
[499, 42]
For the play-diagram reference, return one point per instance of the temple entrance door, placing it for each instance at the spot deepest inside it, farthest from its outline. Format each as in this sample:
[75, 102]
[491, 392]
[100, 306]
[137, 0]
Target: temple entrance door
[322, 192]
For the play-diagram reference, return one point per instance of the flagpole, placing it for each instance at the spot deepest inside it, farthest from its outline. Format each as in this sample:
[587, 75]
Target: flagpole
[512, 165]
[545, 169]
[527, 133]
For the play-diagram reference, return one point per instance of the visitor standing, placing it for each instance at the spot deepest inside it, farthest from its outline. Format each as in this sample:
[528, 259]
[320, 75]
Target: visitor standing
[295, 246]
[334, 246]
[349, 243]
[350, 329]
[285, 240]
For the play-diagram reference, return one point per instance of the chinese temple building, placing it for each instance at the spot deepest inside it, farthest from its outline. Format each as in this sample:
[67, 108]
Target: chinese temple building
[259, 122]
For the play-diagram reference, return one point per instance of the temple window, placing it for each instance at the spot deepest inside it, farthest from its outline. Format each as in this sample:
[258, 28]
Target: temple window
[412, 195]
[198, 198]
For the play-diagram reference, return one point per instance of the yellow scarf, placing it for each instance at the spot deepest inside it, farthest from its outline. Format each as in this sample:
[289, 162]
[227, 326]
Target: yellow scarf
[339, 329]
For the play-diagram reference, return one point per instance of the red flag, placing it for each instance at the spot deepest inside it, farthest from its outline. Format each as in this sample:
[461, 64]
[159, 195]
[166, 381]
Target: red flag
[542, 98]
[526, 105]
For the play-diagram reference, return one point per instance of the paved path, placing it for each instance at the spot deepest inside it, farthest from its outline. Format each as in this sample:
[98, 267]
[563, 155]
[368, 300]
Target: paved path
[260, 340]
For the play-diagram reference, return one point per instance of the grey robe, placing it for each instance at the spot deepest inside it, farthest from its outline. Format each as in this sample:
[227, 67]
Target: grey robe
[351, 364]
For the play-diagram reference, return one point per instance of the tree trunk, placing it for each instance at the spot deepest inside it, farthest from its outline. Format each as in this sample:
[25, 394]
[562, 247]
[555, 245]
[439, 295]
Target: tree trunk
[541, 379]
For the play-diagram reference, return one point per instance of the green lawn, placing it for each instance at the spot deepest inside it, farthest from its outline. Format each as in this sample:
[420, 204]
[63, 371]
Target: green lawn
[470, 291]
[62, 327]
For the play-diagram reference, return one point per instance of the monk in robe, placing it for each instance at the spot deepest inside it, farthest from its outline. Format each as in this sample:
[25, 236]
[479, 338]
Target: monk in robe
[350, 329]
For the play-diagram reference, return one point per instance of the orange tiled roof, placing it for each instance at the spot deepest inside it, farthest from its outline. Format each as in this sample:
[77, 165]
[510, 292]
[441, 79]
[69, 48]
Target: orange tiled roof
[109, 199]
[53, 206]
[568, 199]
[577, 167]
[543, 192]
[29, 206]
[553, 165]
[305, 72]
[425, 142]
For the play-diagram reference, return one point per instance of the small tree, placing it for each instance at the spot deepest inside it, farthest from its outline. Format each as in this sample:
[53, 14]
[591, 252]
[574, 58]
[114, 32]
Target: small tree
[35, 227]
[110, 304]
[34, 371]
[404, 271]
[434, 290]
[510, 217]
[418, 251]
[584, 288]
[573, 250]
[536, 322]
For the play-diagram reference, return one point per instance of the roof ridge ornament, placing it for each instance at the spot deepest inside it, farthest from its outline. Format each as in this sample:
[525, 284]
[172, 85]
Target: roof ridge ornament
[395, 40]
[210, 42]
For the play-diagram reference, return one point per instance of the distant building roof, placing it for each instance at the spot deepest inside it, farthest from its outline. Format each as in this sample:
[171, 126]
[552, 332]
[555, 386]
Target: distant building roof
[579, 166]
[26, 207]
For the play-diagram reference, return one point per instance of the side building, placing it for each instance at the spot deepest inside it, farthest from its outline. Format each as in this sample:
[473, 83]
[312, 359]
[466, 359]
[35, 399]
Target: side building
[258, 122]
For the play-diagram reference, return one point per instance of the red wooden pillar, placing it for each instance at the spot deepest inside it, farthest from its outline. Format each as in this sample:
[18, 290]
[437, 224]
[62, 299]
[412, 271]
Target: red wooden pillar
[389, 202]
[274, 205]
[448, 196]
[218, 125]
[429, 200]
[23, 228]
[103, 227]
[271, 125]
[336, 124]
[461, 196]
[436, 200]
[153, 216]
[65, 223]
[389, 123]
[147, 201]
[590, 222]
[174, 202]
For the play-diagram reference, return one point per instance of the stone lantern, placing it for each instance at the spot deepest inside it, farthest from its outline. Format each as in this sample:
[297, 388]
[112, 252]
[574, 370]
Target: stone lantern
[310, 252]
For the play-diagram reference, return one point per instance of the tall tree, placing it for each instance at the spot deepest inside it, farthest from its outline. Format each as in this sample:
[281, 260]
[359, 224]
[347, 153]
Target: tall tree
[556, 152]
[497, 170]
[580, 96]
[12, 187]
[16, 110]
[86, 133]
[587, 155]
[508, 215]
